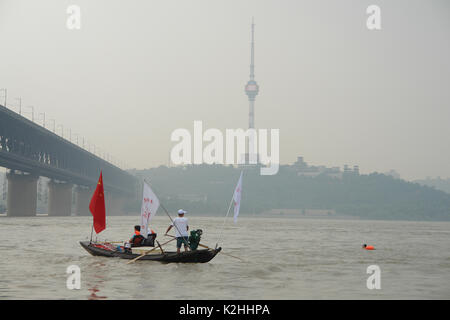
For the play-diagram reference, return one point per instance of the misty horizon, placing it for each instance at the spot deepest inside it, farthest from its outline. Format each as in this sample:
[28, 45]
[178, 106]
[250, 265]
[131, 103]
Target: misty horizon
[338, 92]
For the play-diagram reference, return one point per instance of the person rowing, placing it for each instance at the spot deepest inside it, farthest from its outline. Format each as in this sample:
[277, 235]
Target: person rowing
[181, 230]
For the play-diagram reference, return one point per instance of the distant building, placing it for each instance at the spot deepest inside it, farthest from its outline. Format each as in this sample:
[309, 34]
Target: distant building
[303, 169]
[348, 170]
[300, 163]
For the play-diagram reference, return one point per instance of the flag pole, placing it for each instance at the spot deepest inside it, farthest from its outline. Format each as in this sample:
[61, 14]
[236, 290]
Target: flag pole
[223, 224]
[92, 230]
[170, 218]
[145, 233]
[228, 211]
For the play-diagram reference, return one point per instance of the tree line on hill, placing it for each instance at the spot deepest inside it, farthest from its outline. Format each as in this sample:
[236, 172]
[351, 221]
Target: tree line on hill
[207, 189]
[437, 183]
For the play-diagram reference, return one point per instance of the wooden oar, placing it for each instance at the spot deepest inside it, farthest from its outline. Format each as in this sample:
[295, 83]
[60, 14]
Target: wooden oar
[162, 251]
[202, 245]
[147, 252]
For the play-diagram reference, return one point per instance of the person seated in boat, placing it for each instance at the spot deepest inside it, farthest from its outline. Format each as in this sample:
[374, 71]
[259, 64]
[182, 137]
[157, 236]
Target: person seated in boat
[151, 232]
[181, 230]
[127, 247]
[138, 238]
[151, 236]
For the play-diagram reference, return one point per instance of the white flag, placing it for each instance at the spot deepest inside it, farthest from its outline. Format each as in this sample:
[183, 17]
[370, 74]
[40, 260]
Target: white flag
[237, 198]
[150, 204]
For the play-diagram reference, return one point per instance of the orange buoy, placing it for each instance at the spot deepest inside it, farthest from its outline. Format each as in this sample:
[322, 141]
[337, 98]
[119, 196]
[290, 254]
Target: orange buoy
[365, 246]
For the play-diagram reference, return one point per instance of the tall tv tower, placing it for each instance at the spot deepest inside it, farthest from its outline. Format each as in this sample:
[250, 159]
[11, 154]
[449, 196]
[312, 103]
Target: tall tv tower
[252, 88]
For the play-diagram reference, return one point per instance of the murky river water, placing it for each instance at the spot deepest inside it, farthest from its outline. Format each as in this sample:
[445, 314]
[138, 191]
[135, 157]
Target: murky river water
[284, 259]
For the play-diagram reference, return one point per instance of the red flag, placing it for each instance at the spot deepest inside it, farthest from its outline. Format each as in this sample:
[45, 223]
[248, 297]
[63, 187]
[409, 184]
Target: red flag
[97, 207]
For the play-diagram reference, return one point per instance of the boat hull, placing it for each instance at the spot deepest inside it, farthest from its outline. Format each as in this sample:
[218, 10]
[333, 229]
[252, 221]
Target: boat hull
[196, 256]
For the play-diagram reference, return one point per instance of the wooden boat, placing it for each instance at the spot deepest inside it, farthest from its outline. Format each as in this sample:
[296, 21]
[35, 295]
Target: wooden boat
[150, 205]
[108, 250]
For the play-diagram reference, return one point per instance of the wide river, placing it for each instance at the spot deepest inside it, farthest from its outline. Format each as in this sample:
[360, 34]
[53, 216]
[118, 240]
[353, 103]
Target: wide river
[284, 258]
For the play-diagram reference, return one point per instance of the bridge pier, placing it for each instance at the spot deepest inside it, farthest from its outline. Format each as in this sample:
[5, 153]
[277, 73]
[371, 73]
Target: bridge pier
[59, 198]
[83, 197]
[22, 194]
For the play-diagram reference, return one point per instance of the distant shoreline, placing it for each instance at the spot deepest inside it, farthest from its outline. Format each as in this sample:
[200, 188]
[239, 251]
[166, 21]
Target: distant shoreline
[285, 216]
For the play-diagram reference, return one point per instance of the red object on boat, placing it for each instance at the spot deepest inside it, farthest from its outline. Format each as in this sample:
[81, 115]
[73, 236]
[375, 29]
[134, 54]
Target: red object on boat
[102, 246]
[97, 206]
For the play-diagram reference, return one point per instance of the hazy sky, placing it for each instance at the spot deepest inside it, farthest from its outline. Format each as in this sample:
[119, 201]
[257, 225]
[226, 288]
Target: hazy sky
[339, 93]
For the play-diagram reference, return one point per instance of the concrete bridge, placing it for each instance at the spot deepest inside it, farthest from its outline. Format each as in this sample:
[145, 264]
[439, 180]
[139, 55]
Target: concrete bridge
[30, 151]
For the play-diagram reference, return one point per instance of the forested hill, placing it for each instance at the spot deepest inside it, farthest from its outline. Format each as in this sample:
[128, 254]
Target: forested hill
[207, 189]
[438, 183]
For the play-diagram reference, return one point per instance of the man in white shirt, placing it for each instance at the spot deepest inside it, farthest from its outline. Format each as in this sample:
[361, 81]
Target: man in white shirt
[181, 230]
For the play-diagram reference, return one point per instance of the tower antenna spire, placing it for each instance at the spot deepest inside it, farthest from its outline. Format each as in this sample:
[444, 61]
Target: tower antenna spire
[252, 88]
[252, 59]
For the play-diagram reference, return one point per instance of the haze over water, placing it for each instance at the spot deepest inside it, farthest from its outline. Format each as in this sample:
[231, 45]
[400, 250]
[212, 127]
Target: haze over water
[138, 70]
[285, 258]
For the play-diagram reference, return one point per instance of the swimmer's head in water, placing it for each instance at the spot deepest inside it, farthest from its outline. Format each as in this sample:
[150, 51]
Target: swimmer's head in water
[364, 245]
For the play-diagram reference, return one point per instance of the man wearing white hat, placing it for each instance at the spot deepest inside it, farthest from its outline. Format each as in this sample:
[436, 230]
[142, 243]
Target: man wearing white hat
[181, 230]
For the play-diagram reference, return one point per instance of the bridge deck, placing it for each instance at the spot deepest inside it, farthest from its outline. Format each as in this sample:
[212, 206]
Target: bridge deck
[28, 147]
